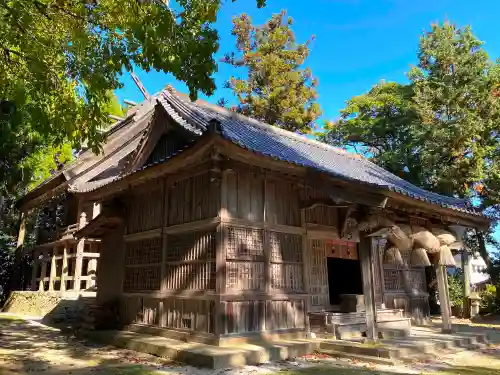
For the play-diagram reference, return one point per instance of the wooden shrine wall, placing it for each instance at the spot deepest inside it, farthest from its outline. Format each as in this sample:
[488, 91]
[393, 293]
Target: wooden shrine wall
[264, 279]
[169, 254]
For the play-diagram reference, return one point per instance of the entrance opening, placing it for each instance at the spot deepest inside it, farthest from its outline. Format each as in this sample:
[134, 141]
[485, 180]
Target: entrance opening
[344, 277]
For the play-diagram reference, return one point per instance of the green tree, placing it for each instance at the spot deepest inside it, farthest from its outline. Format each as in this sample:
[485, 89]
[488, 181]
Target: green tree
[439, 131]
[276, 89]
[59, 59]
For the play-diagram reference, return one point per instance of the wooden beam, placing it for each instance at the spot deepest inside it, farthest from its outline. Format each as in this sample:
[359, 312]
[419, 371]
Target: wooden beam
[64, 271]
[367, 274]
[305, 267]
[443, 298]
[43, 273]
[78, 265]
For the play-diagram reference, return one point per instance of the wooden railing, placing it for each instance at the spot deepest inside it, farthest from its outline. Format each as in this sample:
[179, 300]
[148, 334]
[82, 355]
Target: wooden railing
[67, 231]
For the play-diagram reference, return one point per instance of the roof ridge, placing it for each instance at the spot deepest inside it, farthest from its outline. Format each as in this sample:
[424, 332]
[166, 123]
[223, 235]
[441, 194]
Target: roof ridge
[265, 126]
[174, 94]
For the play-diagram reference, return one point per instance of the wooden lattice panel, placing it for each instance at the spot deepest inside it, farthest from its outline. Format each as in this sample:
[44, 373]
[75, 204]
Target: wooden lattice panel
[142, 279]
[143, 251]
[285, 247]
[287, 277]
[392, 280]
[191, 276]
[245, 243]
[318, 276]
[191, 246]
[245, 275]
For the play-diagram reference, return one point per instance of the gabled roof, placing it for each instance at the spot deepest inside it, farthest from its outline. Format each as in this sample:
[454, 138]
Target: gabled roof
[272, 142]
[297, 149]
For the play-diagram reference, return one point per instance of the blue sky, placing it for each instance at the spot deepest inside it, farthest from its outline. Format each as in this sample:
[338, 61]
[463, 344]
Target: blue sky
[357, 42]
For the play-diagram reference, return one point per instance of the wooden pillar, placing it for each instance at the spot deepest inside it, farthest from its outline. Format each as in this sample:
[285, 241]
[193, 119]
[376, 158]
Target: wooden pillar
[219, 182]
[96, 209]
[365, 256]
[16, 278]
[34, 270]
[64, 271]
[43, 272]
[91, 273]
[466, 279]
[78, 264]
[305, 269]
[460, 232]
[443, 298]
[53, 273]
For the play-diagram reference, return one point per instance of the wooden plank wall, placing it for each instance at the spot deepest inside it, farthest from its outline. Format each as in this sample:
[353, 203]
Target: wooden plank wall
[165, 258]
[263, 253]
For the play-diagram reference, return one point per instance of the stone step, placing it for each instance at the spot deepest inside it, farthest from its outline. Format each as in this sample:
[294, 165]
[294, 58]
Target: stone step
[214, 357]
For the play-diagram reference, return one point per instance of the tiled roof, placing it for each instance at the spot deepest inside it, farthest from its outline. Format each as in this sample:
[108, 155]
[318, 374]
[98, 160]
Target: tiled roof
[293, 148]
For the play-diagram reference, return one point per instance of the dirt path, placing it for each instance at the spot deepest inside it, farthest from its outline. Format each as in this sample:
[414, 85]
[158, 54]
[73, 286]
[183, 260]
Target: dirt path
[30, 348]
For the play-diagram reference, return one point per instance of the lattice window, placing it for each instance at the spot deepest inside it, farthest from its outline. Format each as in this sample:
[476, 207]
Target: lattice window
[318, 270]
[191, 246]
[287, 277]
[190, 261]
[143, 251]
[392, 280]
[245, 275]
[285, 247]
[142, 278]
[245, 243]
[192, 276]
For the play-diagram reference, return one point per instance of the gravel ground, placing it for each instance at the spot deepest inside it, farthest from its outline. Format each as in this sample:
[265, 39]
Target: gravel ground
[27, 347]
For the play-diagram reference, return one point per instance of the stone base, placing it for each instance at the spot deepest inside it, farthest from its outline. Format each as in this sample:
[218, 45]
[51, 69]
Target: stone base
[52, 307]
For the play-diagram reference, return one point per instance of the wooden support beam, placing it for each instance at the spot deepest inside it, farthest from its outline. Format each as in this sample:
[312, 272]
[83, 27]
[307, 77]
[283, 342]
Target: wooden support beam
[365, 255]
[43, 273]
[443, 298]
[64, 271]
[78, 265]
[53, 270]
[305, 268]
[34, 269]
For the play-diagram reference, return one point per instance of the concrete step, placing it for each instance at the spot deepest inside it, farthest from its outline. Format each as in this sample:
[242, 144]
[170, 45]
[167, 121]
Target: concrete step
[214, 357]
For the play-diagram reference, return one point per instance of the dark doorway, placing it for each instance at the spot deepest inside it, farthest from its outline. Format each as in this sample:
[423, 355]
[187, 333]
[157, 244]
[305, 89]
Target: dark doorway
[344, 277]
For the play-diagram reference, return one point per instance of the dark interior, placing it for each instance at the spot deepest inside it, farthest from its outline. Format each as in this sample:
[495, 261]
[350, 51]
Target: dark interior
[344, 277]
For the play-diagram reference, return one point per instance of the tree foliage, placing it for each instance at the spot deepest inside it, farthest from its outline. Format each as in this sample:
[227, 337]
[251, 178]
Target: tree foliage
[59, 59]
[440, 130]
[276, 89]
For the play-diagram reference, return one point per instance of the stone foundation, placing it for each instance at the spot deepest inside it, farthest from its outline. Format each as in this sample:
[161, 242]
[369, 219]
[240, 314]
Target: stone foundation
[53, 307]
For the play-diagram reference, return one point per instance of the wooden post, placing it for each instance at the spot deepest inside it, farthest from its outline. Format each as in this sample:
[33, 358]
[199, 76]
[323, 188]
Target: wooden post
[17, 274]
[466, 279]
[443, 298]
[220, 249]
[305, 270]
[366, 260]
[43, 272]
[64, 271]
[78, 264]
[96, 209]
[53, 270]
[459, 232]
[34, 269]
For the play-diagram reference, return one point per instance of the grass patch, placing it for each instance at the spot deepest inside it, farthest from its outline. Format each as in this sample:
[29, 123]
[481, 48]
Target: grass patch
[466, 370]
